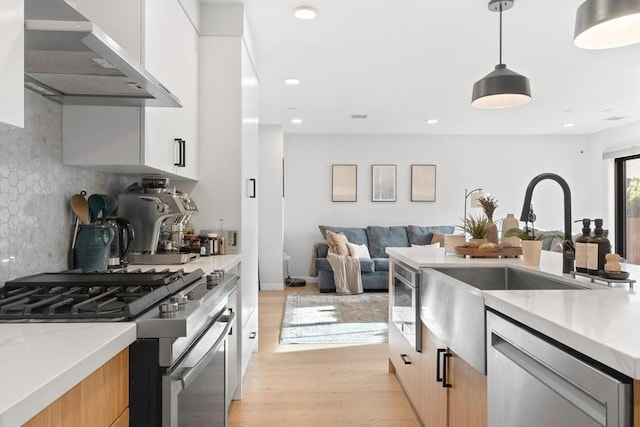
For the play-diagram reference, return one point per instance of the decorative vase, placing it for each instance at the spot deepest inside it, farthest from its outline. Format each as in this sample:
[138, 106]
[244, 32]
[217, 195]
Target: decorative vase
[531, 250]
[510, 222]
[492, 232]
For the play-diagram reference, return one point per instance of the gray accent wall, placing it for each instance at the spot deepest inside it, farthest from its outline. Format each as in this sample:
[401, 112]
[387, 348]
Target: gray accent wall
[35, 187]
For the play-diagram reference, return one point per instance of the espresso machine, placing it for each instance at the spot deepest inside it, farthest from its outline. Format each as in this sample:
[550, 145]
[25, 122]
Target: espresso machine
[159, 220]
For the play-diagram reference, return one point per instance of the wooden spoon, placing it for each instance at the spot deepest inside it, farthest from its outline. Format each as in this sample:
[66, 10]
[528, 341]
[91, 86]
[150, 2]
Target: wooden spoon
[80, 207]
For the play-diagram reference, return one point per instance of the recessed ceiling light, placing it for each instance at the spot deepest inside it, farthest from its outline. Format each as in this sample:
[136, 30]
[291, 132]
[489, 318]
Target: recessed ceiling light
[432, 121]
[296, 121]
[568, 125]
[291, 81]
[304, 12]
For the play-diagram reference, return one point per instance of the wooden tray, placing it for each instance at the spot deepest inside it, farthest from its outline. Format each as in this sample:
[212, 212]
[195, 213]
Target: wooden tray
[488, 252]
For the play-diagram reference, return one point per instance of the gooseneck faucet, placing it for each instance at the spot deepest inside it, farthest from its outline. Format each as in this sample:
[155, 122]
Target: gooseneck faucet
[567, 247]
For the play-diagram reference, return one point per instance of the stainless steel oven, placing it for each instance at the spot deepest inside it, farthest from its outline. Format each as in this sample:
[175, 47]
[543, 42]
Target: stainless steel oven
[405, 312]
[193, 391]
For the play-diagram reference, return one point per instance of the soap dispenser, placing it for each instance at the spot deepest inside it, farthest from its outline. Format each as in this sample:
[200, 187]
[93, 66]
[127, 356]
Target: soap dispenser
[581, 246]
[597, 248]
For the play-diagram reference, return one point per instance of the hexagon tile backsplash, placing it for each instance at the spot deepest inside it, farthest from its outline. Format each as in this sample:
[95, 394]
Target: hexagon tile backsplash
[36, 220]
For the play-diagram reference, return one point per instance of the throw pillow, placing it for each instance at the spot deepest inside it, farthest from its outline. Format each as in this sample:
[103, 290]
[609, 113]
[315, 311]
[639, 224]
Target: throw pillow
[359, 251]
[338, 243]
[438, 237]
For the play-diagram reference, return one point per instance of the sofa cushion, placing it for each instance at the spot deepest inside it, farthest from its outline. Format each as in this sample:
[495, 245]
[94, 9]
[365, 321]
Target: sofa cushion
[381, 264]
[354, 234]
[419, 235]
[358, 251]
[366, 265]
[338, 243]
[382, 237]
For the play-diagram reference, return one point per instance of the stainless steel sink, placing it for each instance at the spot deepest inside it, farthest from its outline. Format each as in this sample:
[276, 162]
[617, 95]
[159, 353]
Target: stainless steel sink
[505, 278]
[452, 303]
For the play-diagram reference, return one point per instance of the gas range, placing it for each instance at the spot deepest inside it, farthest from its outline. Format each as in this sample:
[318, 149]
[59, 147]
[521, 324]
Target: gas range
[118, 295]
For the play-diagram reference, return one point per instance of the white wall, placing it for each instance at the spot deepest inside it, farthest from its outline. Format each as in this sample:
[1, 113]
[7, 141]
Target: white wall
[271, 208]
[502, 165]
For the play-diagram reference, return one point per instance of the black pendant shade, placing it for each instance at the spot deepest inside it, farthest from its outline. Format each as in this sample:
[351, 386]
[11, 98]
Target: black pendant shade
[501, 88]
[603, 24]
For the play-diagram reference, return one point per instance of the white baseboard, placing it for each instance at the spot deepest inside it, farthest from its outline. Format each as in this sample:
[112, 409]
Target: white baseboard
[272, 286]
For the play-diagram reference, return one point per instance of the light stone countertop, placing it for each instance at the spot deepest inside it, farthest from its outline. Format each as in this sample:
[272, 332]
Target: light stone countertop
[206, 263]
[603, 324]
[42, 361]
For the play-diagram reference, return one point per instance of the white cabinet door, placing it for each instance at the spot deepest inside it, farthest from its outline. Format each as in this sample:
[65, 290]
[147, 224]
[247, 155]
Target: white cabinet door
[160, 53]
[12, 63]
[187, 88]
[249, 185]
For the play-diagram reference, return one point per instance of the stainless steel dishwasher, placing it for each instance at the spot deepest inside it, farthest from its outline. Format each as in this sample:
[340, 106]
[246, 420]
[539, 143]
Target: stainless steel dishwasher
[533, 382]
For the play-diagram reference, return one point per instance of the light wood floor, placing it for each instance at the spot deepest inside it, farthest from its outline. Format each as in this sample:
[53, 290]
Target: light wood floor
[316, 385]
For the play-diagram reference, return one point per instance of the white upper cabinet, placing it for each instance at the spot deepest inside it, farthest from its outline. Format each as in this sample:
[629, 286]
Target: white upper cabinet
[12, 63]
[135, 140]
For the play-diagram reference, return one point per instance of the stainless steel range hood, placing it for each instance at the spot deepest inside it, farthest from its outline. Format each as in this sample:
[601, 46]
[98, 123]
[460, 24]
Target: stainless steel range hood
[72, 61]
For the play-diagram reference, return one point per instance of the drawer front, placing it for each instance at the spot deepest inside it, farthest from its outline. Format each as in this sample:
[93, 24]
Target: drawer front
[408, 366]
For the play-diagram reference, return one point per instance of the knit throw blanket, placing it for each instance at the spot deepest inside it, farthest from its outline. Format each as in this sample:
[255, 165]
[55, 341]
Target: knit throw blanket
[346, 273]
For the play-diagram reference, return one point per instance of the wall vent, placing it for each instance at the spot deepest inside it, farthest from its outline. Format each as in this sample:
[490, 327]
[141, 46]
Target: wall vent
[359, 116]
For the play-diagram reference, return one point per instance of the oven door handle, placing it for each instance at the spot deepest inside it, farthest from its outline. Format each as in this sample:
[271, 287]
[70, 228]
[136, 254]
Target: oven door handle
[189, 375]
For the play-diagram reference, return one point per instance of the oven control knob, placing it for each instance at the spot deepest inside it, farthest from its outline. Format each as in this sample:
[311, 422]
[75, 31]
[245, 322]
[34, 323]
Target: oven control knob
[168, 308]
[181, 300]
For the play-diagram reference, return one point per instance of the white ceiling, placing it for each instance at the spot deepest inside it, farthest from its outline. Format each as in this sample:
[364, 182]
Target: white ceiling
[401, 62]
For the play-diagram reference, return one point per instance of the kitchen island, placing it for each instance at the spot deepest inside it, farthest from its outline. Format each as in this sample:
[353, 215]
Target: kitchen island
[43, 361]
[600, 323]
[446, 379]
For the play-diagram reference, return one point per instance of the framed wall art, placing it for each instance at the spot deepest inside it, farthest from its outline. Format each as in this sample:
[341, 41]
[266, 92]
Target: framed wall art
[344, 183]
[423, 183]
[383, 183]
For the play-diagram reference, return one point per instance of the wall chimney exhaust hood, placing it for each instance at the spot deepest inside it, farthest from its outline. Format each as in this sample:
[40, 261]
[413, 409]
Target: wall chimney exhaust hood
[71, 61]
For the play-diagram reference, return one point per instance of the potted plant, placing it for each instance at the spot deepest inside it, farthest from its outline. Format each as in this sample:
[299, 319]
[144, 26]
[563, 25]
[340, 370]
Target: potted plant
[489, 204]
[477, 227]
[531, 244]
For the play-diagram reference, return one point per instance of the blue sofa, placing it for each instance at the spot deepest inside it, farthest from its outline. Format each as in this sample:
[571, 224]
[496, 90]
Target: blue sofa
[374, 271]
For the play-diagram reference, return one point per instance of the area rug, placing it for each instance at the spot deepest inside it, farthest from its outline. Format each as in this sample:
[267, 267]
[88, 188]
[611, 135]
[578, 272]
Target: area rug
[328, 318]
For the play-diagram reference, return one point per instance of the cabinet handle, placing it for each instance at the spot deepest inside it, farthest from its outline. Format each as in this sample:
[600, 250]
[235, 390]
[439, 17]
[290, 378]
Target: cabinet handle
[444, 370]
[183, 162]
[438, 376]
[182, 153]
[252, 190]
[252, 335]
[405, 359]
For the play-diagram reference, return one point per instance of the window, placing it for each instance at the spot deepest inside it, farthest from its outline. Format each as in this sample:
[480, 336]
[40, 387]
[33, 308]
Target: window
[627, 192]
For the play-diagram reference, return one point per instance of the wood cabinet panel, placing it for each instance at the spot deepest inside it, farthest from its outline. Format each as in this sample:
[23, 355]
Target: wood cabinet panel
[467, 395]
[434, 396]
[123, 419]
[407, 364]
[636, 403]
[98, 400]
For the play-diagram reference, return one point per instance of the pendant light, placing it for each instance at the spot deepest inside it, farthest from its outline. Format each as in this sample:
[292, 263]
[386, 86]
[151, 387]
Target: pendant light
[501, 88]
[603, 24]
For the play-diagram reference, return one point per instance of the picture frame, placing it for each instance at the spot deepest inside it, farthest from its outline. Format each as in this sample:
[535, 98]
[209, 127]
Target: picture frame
[423, 183]
[344, 183]
[383, 183]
